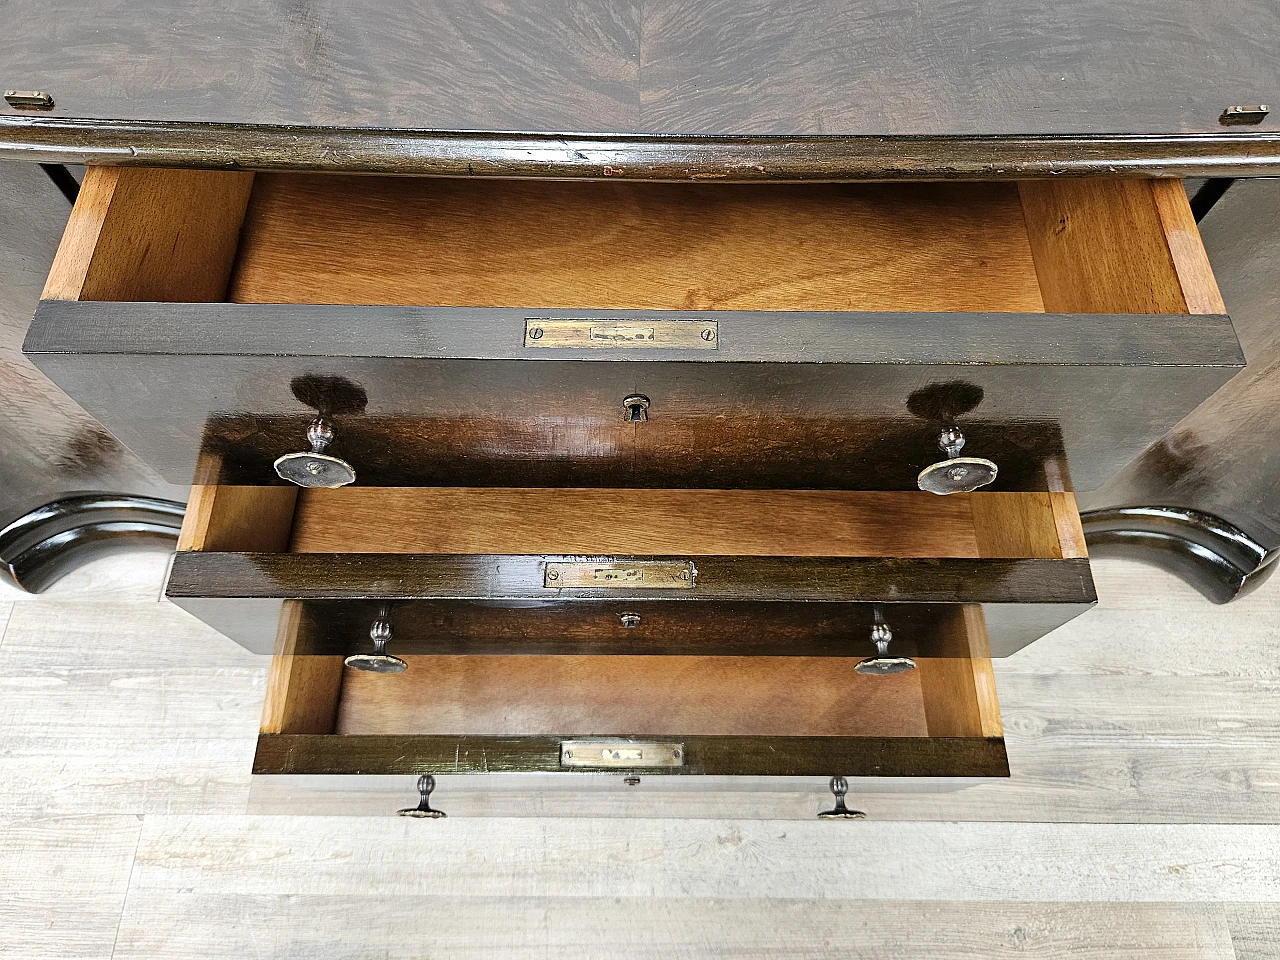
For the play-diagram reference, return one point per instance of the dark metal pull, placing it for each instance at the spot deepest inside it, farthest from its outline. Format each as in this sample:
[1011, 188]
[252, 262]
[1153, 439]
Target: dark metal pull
[424, 810]
[379, 661]
[315, 468]
[839, 787]
[956, 474]
[882, 664]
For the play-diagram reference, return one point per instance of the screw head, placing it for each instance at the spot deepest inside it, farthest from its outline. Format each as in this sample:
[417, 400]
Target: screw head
[535, 333]
[631, 781]
[708, 335]
[958, 473]
[630, 620]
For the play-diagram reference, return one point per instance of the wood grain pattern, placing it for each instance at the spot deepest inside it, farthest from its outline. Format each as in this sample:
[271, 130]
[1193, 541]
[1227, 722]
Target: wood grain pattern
[1100, 247]
[1019, 66]
[1066, 515]
[302, 689]
[49, 445]
[632, 157]
[1195, 274]
[746, 757]
[775, 402]
[667, 627]
[1255, 930]
[44, 914]
[151, 234]
[497, 520]
[148, 735]
[728, 67]
[222, 517]
[459, 926]
[632, 696]
[1224, 457]
[735, 859]
[336, 239]
[957, 682]
[1015, 525]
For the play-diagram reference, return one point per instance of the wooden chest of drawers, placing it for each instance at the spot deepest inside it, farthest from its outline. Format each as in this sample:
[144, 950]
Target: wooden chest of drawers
[633, 464]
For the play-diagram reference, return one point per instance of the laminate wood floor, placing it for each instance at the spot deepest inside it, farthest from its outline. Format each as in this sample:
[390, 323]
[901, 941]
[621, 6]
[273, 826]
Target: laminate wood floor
[1142, 818]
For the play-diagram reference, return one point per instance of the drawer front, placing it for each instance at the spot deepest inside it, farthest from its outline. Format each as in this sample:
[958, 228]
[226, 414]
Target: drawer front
[769, 756]
[673, 715]
[420, 396]
[783, 336]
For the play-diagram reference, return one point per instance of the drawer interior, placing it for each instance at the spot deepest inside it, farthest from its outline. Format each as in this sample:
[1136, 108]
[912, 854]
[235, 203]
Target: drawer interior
[731, 715]
[850, 324]
[469, 570]
[1063, 246]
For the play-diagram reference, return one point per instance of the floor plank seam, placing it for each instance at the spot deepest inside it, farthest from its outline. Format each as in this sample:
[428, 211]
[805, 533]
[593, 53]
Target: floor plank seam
[128, 885]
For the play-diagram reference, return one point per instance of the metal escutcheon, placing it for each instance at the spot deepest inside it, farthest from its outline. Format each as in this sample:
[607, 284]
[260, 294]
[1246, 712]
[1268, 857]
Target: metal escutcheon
[316, 468]
[956, 474]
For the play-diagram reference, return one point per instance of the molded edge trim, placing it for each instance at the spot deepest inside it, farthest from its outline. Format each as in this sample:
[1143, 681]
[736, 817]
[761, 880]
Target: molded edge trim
[733, 159]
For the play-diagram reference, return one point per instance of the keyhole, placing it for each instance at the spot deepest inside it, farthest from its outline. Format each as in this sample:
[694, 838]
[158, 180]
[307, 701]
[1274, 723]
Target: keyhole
[637, 407]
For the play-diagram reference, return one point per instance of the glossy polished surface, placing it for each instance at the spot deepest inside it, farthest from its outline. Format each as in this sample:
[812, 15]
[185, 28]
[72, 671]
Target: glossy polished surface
[49, 446]
[447, 396]
[725, 159]
[1224, 458]
[773, 67]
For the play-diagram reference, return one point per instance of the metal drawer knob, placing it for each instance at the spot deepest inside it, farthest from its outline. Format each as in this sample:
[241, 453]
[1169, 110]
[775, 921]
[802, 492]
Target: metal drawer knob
[424, 810]
[379, 661]
[956, 474]
[839, 787]
[882, 664]
[315, 468]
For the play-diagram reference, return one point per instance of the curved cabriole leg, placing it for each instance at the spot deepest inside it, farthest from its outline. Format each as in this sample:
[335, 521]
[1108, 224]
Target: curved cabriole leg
[1216, 557]
[43, 545]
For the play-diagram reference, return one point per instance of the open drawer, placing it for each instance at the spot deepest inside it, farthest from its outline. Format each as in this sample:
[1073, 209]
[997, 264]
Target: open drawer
[466, 333]
[725, 715]
[559, 571]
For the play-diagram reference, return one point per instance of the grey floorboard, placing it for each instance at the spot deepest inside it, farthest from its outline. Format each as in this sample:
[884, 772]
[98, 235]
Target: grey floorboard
[568, 928]
[1255, 930]
[1141, 819]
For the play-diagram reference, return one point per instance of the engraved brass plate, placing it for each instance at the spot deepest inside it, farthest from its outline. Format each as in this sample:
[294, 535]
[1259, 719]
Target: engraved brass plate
[606, 754]
[611, 574]
[611, 334]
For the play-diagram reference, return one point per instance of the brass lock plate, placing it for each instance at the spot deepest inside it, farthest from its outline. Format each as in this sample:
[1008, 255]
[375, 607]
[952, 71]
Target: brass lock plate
[626, 334]
[611, 754]
[620, 574]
